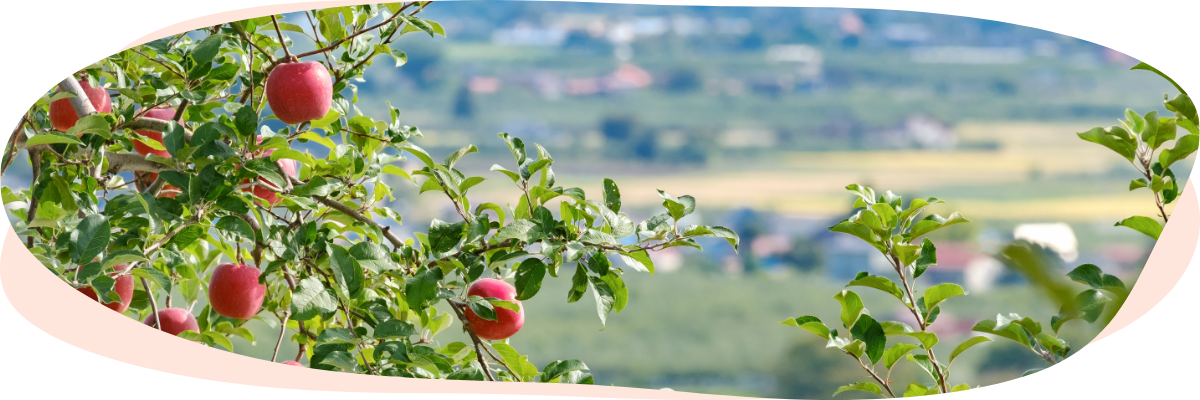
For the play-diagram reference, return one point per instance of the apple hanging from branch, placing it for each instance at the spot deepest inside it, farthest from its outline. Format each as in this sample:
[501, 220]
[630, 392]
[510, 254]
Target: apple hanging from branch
[62, 114]
[508, 322]
[234, 291]
[123, 287]
[299, 91]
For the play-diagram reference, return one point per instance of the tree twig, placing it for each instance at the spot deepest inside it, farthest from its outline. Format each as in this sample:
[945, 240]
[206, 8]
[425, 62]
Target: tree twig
[153, 302]
[286, 53]
[475, 339]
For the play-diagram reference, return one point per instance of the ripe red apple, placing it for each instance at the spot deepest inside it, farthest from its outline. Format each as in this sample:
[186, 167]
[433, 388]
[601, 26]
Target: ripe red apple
[62, 114]
[508, 322]
[290, 362]
[289, 166]
[174, 321]
[300, 91]
[123, 287]
[234, 291]
[163, 113]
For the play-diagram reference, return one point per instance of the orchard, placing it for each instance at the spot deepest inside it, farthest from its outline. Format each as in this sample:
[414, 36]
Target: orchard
[156, 171]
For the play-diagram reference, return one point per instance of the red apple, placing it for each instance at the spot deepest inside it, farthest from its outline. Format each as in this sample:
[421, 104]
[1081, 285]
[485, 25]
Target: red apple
[234, 291]
[290, 362]
[289, 166]
[174, 321]
[123, 287]
[508, 322]
[300, 91]
[62, 114]
[162, 113]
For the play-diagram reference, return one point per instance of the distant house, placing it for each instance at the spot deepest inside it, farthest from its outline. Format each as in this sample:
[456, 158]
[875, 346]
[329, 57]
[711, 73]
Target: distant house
[920, 131]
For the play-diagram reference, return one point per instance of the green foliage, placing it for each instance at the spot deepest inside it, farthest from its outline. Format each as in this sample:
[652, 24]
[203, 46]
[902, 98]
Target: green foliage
[1140, 140]
[359, 298]
[893, 228]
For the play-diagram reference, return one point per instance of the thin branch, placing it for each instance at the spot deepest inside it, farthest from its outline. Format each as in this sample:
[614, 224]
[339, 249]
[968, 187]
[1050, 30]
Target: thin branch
[247, 39]
[391, 237]
[153, 302]
[475, 339]
[287, 55]
[338, 42]
[164, 65]
[282, 329]
[873, 374]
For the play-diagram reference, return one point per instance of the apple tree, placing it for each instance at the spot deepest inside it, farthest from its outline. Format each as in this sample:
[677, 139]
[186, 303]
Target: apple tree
[156, 170]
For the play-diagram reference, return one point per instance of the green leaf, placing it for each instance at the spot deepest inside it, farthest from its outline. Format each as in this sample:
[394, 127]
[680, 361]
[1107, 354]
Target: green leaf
[94, 124]
[896, 352]
[966, 345]
[893, 328]
[481, 308]
[1088, 306]
[928, 257]
[852, 307]
[1091, 275]
[619, 291]
[713, 231]
[237, 228]
[638, 260]
[556, 369]
[346, 271]
[123, 257]
[927, 339]
[529, 278]
[809, 323]
[311, 298]
[859, 231]
[523, 230]
[395, 329]
[1139, 183]
[340, 359]
[937, 294]
[207, 49]
[1145, 225]
[423, 287]
[159, 278]
[1005, 330]
[1115, 138]
[90, 237]
[1184, 147]
[871, 333]
[520, 364]
[372, 256]
[605, 298]
[216, 339]
[578, 284]
[915, 389]
[933, 222]
[612, 195]
[51, 138]
[861, 386]
[1146, 67]
[925, 364]
[960, 387]
[1182, 104]
[879, 282]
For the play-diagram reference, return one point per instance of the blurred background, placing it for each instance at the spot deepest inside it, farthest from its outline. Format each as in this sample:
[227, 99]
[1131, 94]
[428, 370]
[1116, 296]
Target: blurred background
[764, 115]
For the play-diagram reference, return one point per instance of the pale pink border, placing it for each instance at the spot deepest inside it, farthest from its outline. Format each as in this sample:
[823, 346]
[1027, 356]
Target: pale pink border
[28, 284]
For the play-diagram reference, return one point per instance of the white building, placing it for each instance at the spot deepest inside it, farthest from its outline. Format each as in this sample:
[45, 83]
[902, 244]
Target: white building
[1055, 236]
